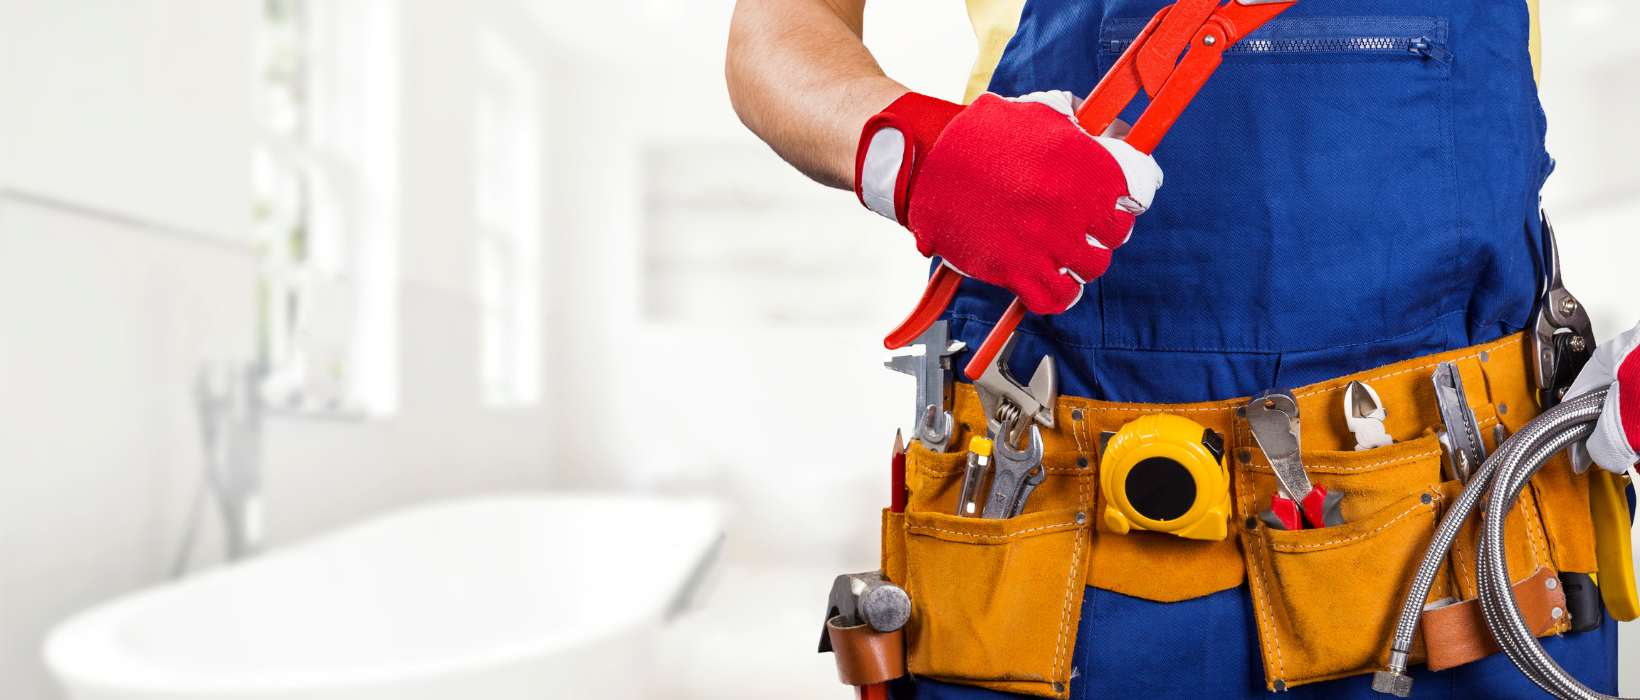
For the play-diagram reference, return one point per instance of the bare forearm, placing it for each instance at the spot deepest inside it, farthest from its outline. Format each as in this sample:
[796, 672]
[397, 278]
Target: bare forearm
[800, 78]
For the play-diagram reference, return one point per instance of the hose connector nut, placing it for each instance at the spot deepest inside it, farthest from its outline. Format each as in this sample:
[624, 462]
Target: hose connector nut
[1397, 684]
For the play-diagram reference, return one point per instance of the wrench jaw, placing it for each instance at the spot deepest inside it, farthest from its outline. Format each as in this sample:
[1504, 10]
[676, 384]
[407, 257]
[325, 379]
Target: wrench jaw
[1017, 474]
[1003, 398]
[936, 429]
[1272, 418]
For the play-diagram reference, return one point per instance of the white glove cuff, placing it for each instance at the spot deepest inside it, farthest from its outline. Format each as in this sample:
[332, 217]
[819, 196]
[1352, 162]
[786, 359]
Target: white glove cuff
[1608, 445]
[880, 173]
[1144, 176]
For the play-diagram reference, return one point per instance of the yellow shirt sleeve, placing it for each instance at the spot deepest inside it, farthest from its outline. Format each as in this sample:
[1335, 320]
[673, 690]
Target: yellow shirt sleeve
[995, 22]
[1535, 43]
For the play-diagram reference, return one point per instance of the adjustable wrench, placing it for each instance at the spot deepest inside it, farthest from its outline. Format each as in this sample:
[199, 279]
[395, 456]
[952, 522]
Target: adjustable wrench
[1461, 441]
[1003, 399]
[1018, 472]
[1008, 409]
[934, 425]
[1272, 417]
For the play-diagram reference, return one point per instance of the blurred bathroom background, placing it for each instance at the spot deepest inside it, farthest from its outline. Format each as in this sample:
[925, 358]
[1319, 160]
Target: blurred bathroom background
[481, 246]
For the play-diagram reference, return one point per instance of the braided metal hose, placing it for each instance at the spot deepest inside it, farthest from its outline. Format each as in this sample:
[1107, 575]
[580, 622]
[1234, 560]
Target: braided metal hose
[1505, 474]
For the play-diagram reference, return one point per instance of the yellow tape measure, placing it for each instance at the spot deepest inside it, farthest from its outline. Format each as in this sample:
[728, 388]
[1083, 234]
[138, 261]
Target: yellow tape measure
[1165, 473]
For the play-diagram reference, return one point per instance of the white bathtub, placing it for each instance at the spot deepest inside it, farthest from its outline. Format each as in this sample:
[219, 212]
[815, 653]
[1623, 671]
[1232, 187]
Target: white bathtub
[549, 596]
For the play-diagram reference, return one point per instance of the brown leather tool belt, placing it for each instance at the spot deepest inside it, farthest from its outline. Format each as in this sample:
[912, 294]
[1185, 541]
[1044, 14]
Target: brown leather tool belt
[996, 601]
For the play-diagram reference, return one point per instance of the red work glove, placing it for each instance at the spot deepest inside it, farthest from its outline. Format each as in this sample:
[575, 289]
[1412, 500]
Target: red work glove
[1007, 191]
[1615, 444]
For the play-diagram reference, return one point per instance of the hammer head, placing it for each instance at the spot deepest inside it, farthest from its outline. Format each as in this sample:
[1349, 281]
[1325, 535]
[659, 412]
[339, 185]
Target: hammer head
[865, 599]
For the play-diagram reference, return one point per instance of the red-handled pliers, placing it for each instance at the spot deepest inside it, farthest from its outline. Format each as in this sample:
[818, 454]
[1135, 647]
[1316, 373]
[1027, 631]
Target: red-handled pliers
[1152, 62]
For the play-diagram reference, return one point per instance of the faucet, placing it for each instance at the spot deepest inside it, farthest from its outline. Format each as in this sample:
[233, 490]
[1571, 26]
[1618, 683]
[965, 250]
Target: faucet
[230, 406]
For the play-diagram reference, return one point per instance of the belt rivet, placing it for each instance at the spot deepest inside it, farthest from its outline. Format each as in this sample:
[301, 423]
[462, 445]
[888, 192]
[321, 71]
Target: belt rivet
[1427, 499]
[1502, 408]
[1246, 456]
[1082, 462]
[1556, 613]
[1280, 685]
[1485, 356]
[1252, 523]
[1076, 414]
[1081, 518]
[1550, 583]
[1058, 687]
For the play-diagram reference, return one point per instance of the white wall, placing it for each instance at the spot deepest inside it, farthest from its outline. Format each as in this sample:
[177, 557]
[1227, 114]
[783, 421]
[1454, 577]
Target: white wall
[1590, 88]
[126, 259]
[790, 420]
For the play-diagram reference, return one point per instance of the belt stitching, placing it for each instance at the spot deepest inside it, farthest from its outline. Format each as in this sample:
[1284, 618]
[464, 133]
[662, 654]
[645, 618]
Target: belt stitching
[1306, 393]
[991, 537]
[1404, 514]
[1267, 630]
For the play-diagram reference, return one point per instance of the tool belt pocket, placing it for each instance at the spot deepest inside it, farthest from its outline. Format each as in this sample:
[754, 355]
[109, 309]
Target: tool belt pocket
[995, 603]
[1329, 597]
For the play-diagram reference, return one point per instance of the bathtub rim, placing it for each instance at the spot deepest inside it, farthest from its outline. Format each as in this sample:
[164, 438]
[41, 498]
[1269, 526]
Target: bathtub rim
[84, 650]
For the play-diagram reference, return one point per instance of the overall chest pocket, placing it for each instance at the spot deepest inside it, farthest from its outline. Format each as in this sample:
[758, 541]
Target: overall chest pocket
[1313, 172]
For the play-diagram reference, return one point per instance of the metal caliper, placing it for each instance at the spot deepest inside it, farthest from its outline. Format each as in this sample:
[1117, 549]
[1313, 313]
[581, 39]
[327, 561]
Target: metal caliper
[934, 425]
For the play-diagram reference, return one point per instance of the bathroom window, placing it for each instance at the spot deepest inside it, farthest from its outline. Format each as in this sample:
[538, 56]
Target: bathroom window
[326, 184]
[508, 226]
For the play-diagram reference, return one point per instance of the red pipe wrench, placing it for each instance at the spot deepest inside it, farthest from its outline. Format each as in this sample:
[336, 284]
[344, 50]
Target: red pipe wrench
[1152, 62]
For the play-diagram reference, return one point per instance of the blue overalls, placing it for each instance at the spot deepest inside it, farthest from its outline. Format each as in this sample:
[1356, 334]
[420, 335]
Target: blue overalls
[1356, 186]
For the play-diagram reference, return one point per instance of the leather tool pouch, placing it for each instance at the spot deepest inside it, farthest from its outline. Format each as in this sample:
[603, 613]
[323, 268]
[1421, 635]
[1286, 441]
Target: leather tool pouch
[865, 656]
[995, 603]
[1327, 600]
[1458, 633]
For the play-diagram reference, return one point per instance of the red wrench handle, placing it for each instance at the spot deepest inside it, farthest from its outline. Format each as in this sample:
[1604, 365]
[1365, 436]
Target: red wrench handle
[1137, 67]
[942, 286]
[1226, 26]
[994, 341]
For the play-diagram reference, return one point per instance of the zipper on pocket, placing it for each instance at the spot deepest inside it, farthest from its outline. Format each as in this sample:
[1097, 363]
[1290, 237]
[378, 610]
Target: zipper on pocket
[1422, 46]
[1429, 49]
